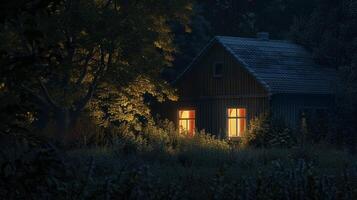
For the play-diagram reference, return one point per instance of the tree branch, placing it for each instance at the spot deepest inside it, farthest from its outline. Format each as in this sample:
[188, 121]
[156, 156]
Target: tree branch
[33, 93]
[80, 105]
[108, 3]
[47, 95]
[85, 70]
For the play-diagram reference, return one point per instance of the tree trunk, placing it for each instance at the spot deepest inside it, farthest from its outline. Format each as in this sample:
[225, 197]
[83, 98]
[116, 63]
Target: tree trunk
[62, 123]
[65, 119]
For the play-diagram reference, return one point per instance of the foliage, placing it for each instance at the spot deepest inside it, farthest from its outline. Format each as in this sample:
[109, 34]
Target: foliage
[29, 169]
[94, 67]
[330, 33]
[164, 138]
[41, 171]
[242, 18]
[190, 43]
[128, 105]
[265, 131]
[76, 51]
[245, 18]
[258, 131]
[14, 114]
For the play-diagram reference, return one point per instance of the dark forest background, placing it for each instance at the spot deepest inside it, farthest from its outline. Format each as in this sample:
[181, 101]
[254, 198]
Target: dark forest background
[78, 79]
[63, 61]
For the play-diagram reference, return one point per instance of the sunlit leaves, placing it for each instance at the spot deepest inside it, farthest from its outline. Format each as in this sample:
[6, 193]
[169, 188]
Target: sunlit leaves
[129, 104]
[105, 54]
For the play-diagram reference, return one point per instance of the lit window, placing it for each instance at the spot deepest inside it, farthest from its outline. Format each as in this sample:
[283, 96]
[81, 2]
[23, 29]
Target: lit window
[218, 70]
[237, 121]
[187, 121]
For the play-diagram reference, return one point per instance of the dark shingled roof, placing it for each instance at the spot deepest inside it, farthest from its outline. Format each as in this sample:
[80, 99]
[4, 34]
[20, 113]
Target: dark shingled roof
[281, 66]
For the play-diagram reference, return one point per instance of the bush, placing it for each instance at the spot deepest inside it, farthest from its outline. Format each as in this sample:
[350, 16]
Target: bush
[258, 132]
[166, 138]
[264, 131]
[202, 149]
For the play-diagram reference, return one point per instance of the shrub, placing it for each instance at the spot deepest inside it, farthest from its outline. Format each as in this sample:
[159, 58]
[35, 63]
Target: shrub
[281, 135]
[157, 138]
[264, 131]
[202, 148]
[257, 133]
[163, 137]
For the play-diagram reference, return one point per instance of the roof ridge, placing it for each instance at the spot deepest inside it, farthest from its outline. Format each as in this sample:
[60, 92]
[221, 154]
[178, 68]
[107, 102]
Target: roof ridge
[255, 39]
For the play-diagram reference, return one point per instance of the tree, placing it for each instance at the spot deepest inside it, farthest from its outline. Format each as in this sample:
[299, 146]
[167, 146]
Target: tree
[330, 32]
[71, 52]
[190, 41]
[247, 17]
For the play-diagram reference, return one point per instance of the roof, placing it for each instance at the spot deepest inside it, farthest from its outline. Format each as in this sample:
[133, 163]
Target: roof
[280, 66]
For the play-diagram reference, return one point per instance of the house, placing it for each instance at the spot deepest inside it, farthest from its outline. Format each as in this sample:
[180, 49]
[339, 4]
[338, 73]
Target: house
[234, 79]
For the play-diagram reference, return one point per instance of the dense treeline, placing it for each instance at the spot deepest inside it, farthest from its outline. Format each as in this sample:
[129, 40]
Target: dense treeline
[330, 32]
[242, 18]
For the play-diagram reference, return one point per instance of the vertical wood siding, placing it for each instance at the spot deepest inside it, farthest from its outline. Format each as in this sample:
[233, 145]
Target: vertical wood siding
[199, 81]
[211, 97]
[212, 114]
[288, 107]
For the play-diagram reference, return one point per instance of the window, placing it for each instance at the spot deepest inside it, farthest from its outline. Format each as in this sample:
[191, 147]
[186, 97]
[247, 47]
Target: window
[187, 121]
[218, 70]
[237, 122]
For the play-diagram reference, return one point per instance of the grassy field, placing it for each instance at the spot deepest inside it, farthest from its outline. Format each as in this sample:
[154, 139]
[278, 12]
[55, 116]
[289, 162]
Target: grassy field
[164, 165]
[240, 162]
[317, 172]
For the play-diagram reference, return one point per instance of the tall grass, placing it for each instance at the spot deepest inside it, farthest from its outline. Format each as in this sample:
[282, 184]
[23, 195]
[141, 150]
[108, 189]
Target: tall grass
[159, 163]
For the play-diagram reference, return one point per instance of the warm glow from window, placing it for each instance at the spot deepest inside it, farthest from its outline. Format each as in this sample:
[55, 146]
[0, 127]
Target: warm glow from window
[187, 121]
[237, 121]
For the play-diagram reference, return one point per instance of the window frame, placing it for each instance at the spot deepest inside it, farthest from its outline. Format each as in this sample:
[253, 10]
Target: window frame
[186, 119]
[215, 75]
[236, 119]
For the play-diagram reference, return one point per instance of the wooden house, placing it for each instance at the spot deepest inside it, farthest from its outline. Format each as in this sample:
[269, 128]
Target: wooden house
[234, 79]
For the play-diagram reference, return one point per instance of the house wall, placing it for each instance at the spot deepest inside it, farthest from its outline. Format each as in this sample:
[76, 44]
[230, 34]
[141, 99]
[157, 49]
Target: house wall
[211, 97]
[288, 107]
[236, 81]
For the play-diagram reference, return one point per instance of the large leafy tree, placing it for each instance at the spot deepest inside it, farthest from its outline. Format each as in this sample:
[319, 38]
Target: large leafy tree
[75, 55]
[14, 108]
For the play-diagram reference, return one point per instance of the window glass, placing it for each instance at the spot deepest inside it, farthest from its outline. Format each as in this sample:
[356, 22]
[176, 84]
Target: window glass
[232, 127]
[187, 121]
[218, 70]
[232, 112]
[237, 121]
[241, 112]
